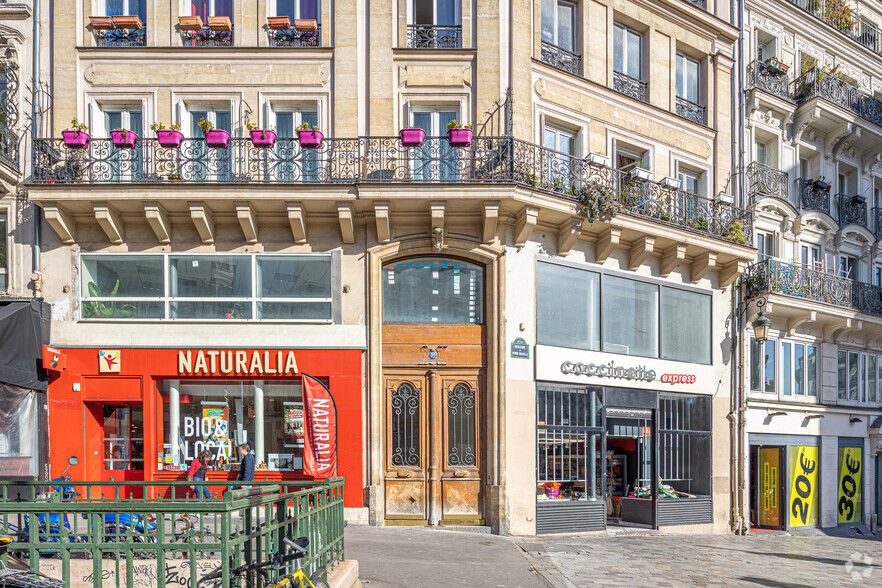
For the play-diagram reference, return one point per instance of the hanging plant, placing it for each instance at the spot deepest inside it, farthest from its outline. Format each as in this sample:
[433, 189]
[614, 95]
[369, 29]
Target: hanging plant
[599, 201]
[734, 232]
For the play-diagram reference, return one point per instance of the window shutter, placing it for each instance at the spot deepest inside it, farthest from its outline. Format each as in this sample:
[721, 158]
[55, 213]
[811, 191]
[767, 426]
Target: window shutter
[408, 115]
[318, 117]
[95, 120]
[146, 118]
[269, 120]
[234, 118]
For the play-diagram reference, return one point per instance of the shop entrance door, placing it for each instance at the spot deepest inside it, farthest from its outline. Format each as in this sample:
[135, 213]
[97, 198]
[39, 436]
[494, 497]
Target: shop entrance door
[433, 460]
[629, 467]
[122, 441]
[768, 487]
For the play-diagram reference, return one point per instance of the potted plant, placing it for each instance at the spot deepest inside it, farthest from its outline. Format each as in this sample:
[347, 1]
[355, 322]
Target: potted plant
[261, 138]
[599, 200]
[735, 232]
[175, 177]
[216, 138]
[412, 137]
[309, 139]
[123, 138]
[168, 137]
[459, 135]
[76, 136]
[776, 64]
[670, 183]
[641, 171]
[598, 160]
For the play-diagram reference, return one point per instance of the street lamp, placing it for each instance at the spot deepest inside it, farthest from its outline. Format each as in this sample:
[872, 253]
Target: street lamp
[761, 328]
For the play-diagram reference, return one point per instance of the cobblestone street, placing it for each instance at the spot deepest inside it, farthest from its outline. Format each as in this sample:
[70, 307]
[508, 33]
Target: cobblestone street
[705, 560]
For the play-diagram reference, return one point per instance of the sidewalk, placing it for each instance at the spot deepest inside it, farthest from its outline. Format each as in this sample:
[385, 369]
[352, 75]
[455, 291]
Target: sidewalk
[411, 557]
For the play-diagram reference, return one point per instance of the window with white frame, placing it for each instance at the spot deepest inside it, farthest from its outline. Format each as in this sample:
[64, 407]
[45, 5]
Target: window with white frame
[628, 52]
[435, 12]
[789, 369]
[206, 8]
[436, 159]
[765, 245]
[124, 116]
[877, 278]
[208, 287]
[125, 8]
[559, 24]
[296, 9]
[859, 377]
[561, 145]
[762, 152]
[810, 256]
[688, 78]
[207, 164]
[847, 266]
[285, 118]
[690, 180]
[4, 256]
[763, 366]
[122, 163]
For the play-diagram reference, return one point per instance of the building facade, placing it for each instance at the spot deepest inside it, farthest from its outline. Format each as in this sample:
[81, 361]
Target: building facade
[809, 443]
[520, 330]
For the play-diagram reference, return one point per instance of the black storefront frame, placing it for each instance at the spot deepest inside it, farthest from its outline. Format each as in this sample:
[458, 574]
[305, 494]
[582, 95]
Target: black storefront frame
[674, 511]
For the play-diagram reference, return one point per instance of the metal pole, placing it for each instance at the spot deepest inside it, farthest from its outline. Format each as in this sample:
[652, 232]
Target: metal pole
[174, 420]
[259, 455]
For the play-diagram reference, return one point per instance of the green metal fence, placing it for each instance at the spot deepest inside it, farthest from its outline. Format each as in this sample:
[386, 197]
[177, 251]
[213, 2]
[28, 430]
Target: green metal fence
[166, 538]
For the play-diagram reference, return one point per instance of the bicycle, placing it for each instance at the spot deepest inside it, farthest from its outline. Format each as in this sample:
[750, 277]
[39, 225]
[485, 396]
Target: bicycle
[277, 564]
[10, 578]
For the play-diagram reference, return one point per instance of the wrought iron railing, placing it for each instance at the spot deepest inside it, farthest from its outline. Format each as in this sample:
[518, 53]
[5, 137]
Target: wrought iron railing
[766, 181]
[818, 83]
[690, 110]
[852, 211]
[122, 38]
[700, 3]
[207, 38]
[877, 222]
[488, 160]
[761, 76]
[295, 38]
[842, 16]
[772, 276]
[560, 58]
[813, 197]
[629, 86]
[9, 151]
[423, 36]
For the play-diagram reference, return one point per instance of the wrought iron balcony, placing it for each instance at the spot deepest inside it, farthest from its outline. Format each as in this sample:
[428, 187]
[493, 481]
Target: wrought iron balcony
[813, 197]
[560, 58]
[423, 36]
[768, 79]
[845, 21]
[766, 181]
[489, 160]
[818, 83]
[207, 38]
[690, 110]
[9, 152]
[851, 210]
[630, 86]
[772, 276]
[700, 3]
[122, 38]
[295, 38]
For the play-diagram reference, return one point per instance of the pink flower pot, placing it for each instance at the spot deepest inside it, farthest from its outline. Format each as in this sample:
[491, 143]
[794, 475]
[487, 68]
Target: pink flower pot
[263, 139]
[169, 138]
[310, 139]
[217, 138]
[460, 137]
[412, 137]
[124, 140]
[75, 139]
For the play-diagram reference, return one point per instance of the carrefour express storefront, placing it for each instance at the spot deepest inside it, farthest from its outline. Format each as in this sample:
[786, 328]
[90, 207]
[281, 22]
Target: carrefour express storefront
[144, 414]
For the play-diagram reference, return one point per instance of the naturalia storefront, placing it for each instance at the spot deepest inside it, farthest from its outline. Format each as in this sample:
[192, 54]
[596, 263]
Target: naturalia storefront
[144, 414]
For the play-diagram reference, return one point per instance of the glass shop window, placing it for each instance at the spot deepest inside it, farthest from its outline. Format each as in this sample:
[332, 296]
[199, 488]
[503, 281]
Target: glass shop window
[433, 290]
[685, 443]
[123, 437]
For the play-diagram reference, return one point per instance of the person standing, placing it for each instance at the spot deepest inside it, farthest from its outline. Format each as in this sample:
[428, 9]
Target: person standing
[246, 467]
[196, 473]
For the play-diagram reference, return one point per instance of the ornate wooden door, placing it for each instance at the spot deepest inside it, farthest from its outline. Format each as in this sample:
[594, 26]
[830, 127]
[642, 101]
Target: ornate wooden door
[433, 469]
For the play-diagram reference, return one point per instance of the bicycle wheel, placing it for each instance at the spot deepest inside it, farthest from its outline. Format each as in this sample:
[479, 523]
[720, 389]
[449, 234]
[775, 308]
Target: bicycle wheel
[318, 582]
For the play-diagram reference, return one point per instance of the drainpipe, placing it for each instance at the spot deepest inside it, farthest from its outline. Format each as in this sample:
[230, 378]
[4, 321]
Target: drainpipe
[35, 126]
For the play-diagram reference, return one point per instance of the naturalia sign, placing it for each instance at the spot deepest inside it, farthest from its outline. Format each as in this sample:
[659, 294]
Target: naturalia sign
[213, 362]
[320, 432]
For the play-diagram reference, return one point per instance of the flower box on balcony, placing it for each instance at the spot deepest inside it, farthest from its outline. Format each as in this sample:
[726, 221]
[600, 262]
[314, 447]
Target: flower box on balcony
[775, 64]
[262, 139]
[460, 137]
[217, 138]
[858, 199]
[220, 23]
[670, 183]
[102, 23]
[128, 23]
[169, 138]
[640, 173]
[598, 159]
[305, 25]
[278, 23]
[412, 137]
[190, 23]
[75, 139]
[310, 139]
[124, 139]
[723, 198]
[820, 185]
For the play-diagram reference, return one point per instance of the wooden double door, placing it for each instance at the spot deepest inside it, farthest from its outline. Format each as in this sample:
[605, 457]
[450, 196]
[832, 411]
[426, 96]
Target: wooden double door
[433, 446]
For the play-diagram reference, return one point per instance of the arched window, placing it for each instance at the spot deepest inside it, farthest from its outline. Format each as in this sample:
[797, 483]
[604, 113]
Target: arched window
[433, 290]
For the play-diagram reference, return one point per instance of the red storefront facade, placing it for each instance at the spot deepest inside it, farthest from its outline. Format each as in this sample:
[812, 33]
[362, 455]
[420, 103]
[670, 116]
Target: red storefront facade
[144, 413]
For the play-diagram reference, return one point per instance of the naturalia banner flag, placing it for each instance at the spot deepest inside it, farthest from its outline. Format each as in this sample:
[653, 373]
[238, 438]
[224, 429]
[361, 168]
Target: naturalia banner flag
[320, 430]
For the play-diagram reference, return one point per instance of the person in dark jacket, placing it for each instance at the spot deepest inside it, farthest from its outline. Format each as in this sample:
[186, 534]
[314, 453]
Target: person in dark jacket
[246, 467]
[196, 473]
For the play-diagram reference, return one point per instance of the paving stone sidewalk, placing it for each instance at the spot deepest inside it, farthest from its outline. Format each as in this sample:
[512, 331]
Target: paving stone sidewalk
[774, 560]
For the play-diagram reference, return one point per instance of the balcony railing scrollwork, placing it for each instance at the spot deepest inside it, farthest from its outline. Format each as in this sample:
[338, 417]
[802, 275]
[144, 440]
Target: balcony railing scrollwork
[817, 83]
[762, 77]
[560, 58]
[690, 110]
[852, 210]
[766, 181]
[813, 196]
[772, 276]
[424, 36]
[841, 16]
[122, 37]
[489, 160]
[295, 38]
[9, 151]
[629, 86]
[207, 38]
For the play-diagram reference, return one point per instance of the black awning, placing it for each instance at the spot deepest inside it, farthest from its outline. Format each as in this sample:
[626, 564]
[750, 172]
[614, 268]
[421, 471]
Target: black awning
[24, 328]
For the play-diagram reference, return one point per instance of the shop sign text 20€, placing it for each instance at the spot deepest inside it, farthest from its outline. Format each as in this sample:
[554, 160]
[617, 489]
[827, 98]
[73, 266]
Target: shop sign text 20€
[212, 362]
